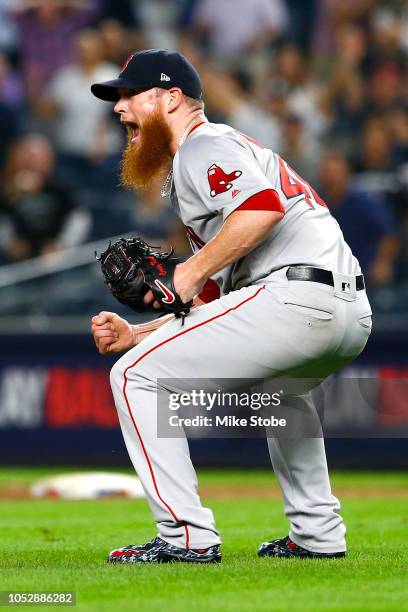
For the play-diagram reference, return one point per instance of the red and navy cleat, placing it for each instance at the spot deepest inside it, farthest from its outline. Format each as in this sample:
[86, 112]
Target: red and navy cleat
[159, 551]
[286, 548]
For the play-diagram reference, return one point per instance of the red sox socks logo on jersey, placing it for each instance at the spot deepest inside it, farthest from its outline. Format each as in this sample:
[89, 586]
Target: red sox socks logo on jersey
[221, 181]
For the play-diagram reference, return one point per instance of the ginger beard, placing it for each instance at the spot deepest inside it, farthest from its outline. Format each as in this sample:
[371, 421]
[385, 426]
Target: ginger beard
[149, 157]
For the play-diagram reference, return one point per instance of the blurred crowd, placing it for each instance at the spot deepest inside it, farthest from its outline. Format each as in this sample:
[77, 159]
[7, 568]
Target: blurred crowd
[323, 83]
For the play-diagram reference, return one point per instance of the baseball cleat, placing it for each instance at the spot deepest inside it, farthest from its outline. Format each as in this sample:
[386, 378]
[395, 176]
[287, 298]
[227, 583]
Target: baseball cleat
[286, 548]
[159, 551]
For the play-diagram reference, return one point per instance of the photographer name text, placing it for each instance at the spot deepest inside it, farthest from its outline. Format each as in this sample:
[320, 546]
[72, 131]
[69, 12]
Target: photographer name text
[226, 421]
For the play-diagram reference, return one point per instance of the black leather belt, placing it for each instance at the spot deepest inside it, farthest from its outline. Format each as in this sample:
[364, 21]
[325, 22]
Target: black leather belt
[318, 275]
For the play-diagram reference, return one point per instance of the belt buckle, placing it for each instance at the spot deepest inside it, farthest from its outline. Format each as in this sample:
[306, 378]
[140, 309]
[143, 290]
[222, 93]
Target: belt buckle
[345, 286]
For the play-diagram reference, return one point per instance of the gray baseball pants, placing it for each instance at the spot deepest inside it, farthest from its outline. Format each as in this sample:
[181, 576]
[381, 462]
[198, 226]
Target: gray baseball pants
[260, 331]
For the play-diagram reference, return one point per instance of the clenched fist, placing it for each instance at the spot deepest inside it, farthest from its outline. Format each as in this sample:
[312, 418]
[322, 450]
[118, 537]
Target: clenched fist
[112, 334]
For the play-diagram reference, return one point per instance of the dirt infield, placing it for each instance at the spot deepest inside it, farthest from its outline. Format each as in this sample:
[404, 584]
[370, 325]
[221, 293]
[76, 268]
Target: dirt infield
[12, 492]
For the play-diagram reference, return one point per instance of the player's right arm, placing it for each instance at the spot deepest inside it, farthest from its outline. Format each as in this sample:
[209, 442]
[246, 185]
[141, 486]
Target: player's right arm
[112, 334]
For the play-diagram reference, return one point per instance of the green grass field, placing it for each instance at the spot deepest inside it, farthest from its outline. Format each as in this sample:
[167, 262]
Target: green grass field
[54, 545]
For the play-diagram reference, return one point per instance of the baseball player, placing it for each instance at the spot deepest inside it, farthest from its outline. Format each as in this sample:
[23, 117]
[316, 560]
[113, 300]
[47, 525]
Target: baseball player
[276, 290]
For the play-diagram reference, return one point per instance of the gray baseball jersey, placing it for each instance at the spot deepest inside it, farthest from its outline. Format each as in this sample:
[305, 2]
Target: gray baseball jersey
[219, 170]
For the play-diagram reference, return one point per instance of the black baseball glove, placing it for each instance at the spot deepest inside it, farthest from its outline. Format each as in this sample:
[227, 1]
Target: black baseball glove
[131, 267]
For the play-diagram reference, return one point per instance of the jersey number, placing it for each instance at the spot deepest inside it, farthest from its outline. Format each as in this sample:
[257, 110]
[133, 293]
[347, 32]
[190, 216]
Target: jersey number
[293, 185]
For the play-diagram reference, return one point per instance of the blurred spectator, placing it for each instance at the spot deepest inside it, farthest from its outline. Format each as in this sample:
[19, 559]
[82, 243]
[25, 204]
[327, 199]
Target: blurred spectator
[367, 221]
[10, 124]
[373, 161]
[118, 42]
[297, 149]
[121, 27]
[386, 90]
[276, 106]
[398, 123]
[346, 110]
[343, 95]
[186, 9]
[230, 103]
[47, 29]
[38, 213]
[233, 27]
[8, 31]
[332, 15]
[153, 217]
[159, 22]
[374, 165]
[9, 131]
[350, 46]
[10, 99]
[404, 26]
[304, 93]
[376, 147]
[302, 19]
[86, 135]
[350, 11]
[386, 50]
[11, 86]
[125, 12]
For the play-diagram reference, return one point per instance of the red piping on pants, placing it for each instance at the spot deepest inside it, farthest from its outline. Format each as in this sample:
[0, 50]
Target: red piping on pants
[130, 410]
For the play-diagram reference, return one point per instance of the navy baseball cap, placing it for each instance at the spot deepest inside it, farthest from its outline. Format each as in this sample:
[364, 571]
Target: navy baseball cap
[152, 68]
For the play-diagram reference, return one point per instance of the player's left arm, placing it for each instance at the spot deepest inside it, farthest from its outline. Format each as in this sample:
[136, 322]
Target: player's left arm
[242, 231]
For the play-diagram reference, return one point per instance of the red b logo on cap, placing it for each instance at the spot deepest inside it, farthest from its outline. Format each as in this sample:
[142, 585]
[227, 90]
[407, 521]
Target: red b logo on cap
[126, 63]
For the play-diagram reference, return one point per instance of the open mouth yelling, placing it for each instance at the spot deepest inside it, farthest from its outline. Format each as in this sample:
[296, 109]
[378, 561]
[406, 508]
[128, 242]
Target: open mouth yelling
[133, 130]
